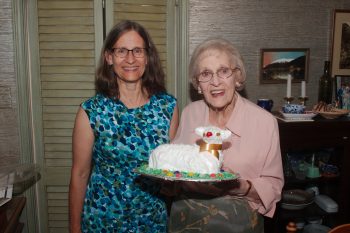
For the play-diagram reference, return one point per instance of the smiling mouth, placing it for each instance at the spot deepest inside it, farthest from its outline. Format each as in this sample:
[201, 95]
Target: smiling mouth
[130, 68]
[217, 93]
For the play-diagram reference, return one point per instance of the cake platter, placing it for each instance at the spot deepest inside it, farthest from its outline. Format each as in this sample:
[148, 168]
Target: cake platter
[184, 176]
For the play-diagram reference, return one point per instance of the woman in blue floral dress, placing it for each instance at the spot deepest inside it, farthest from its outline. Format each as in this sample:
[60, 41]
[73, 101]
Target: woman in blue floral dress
[114, 133]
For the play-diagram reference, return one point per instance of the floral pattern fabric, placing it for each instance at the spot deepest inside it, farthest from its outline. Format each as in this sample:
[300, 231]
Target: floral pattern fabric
[225, 214]
[117, 199]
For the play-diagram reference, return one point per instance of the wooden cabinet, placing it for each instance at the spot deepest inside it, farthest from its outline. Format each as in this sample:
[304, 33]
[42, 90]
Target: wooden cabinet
[9, 215]
[315, 135]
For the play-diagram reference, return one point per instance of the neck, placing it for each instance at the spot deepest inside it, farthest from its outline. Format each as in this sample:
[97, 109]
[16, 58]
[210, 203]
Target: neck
[132, 95]
[220, 116]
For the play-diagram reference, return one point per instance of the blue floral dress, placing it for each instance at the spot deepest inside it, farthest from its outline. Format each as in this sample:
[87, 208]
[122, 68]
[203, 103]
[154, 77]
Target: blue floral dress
[117, 199]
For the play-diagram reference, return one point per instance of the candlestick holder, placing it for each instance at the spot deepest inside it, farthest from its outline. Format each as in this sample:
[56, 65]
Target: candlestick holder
[288, 99]
[303, 100]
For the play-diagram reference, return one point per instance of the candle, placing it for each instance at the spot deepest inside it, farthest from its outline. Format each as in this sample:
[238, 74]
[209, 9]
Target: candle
[303, 89]
[289, 86]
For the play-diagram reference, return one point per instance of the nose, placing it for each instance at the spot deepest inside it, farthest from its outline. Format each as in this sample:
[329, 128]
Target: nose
[215, 79]
[130, 57]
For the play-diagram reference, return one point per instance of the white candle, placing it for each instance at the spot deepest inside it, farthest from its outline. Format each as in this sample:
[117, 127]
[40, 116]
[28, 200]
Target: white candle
[289, 86]
[303, 89]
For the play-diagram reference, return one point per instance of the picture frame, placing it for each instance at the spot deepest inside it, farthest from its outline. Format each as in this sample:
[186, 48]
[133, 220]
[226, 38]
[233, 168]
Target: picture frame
[277, 64]
[342, 91]
[341, 43]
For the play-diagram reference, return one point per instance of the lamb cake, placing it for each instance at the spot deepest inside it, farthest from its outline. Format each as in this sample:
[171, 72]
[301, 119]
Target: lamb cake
[201, 161]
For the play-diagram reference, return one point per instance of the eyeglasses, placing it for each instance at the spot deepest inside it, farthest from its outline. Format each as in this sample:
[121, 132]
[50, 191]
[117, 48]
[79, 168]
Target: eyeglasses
[223, 73]
[123, 52]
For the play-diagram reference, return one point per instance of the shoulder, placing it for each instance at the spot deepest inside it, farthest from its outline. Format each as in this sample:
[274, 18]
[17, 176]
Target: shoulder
[256, 113]
[195, 112]
[165, 96]
[164, 99]
[94, 102]
[198, 106]
[163, 102]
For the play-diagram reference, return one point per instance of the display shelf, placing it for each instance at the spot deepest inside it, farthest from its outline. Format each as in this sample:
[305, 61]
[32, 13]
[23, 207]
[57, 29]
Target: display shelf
[314, 136]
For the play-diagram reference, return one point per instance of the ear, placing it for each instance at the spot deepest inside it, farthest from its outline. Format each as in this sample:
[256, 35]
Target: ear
[109, 58]
[200, 131]
[225, 134]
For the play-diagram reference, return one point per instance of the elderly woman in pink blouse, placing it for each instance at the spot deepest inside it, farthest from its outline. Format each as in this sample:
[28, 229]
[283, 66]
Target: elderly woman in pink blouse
[217, 72]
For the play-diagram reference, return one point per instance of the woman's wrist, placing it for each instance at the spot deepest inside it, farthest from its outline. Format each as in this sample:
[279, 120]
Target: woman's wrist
[245, 193]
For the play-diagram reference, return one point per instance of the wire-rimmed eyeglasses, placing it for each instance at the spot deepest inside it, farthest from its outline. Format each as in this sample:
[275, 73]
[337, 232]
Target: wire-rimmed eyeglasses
[223, 72]
[123, 52]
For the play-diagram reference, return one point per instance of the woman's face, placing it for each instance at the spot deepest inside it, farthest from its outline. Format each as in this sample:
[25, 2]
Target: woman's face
[128, 67]
[218, 92]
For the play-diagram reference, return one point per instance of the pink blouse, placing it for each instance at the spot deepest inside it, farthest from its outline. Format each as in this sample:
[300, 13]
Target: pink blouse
[253, 150]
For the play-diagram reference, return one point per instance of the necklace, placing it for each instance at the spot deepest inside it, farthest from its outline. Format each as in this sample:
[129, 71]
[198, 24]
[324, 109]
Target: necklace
[134, 102]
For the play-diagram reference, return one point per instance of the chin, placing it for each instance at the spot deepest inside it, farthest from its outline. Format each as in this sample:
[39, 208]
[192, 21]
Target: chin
[218, 107]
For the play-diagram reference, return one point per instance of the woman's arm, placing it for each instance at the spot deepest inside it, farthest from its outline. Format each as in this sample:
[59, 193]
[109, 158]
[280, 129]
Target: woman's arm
[174, 124]
[244, 188]
[83, 139]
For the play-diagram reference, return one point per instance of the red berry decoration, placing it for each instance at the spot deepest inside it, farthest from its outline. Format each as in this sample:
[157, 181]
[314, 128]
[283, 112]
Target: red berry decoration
[213, 175]
[209, 134]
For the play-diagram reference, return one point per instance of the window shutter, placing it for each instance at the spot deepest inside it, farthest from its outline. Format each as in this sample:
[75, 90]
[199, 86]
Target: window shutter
[152, 14]
[67, 66]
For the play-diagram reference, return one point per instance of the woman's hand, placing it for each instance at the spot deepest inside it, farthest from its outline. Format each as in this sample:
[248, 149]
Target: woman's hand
[170, 188]
[202, 188]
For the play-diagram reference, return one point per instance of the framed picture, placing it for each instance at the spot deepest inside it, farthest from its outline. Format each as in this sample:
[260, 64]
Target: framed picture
[341, 43]
[278, 64]
[343, 91]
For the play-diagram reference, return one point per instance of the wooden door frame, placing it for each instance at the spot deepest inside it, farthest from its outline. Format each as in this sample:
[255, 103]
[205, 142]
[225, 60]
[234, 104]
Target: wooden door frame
[29, 108]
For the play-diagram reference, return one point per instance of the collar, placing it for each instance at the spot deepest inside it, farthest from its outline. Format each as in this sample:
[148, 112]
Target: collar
[235, 122]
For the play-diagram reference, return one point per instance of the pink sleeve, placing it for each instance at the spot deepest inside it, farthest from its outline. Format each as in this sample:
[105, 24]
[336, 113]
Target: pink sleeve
[270, 183]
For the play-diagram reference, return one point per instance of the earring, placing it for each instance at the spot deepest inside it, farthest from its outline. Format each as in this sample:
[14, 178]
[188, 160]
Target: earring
[199, 91]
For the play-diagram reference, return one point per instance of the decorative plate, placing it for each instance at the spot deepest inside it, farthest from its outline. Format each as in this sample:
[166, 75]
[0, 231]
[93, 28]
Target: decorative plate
[335, 113]
[308, 115]
[184, 176]
[294, 206]
[296, 199]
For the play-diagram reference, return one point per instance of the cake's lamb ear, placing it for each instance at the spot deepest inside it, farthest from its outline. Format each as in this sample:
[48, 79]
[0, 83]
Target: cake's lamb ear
[225, 134]
[200, 131]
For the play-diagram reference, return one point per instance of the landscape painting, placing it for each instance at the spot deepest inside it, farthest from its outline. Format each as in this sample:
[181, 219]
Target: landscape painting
[341, 43]
[278, 64]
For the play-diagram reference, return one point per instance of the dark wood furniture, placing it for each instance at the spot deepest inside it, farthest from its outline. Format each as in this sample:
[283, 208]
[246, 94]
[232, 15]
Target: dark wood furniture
[9, 215]
[318, 134]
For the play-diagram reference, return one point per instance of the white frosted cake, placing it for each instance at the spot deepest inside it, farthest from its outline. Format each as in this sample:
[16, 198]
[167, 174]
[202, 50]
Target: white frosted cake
[205, 159]
[183, 158]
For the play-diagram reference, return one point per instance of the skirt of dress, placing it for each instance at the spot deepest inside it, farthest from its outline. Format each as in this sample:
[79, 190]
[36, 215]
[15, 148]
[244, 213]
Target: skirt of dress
[221, 214]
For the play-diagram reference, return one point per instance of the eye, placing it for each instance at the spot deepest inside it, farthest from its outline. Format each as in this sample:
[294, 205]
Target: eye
[137, 51]
[224, 71]
[121, 51]
[206, 74]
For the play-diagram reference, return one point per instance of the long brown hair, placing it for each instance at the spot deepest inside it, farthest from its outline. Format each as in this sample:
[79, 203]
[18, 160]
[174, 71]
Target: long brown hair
[153, 78]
